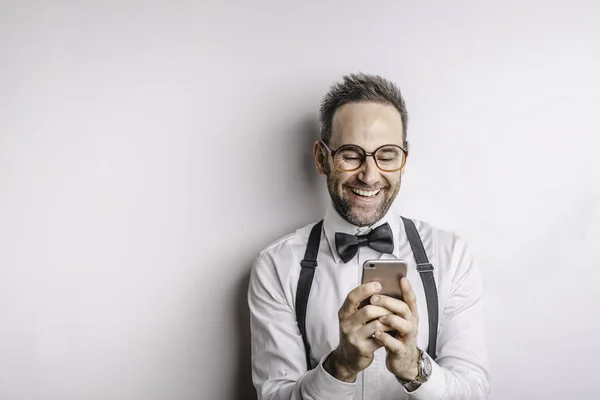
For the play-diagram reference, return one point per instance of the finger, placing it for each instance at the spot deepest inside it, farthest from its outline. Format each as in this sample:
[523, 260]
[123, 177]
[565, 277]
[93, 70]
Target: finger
[364, 346]
[357, 295]
[403, 326]
[372, 344]
[409, 296]
[369, 313]
[394, 305]
[356, 322]
[363, 338]
[368, 330]
[391, 344]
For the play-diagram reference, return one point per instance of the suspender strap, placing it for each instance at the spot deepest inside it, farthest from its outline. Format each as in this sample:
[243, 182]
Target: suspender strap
[309, 264]
[426, 271]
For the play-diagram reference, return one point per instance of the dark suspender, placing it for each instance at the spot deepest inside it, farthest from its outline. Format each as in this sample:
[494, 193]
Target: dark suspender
[307, 272]
[309, 263]
[426, 271]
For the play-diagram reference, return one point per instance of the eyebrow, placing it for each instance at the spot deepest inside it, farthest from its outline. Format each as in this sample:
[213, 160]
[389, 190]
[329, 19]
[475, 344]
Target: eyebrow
[389, 150]
[349, 145]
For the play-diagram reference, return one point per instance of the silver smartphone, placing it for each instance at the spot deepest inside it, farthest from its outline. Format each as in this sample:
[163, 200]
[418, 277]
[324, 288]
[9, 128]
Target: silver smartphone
[388, 273]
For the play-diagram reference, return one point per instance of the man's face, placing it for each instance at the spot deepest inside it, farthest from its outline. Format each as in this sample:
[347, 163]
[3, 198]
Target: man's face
[363, 196]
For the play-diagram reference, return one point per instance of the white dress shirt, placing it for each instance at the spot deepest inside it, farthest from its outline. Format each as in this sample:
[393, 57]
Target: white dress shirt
[279, 369]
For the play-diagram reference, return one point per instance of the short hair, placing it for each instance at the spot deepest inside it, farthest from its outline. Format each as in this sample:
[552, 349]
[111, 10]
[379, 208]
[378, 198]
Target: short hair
[359, 88]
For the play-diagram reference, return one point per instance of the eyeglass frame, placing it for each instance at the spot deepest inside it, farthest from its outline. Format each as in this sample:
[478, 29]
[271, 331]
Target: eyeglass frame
[367, 154]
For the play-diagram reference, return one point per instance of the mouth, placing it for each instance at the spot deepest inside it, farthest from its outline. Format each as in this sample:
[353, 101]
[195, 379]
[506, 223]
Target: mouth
[365, 194]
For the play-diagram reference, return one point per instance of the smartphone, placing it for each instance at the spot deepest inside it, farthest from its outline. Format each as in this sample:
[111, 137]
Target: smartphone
[388, 273]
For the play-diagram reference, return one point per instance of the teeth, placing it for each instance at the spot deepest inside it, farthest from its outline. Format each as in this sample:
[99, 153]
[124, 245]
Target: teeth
[366, 193]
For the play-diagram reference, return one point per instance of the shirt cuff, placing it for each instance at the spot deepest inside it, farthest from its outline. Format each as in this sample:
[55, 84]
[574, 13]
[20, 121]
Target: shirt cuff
[434, 388]
[320, 385]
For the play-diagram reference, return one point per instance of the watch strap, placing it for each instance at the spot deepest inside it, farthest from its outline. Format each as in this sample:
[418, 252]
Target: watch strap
[422, 375]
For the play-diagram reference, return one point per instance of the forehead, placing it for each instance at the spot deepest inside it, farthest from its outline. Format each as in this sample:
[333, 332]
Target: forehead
[368, 125]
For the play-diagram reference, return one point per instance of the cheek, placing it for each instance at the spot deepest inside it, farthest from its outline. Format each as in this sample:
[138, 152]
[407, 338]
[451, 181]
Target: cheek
[392, 180]
[342, 179]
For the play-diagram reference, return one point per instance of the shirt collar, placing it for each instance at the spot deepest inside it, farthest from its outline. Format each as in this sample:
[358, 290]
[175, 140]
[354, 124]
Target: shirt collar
[334, 222]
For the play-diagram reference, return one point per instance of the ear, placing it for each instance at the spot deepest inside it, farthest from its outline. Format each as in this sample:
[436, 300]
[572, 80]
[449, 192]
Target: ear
[404, 167]
[320, 158]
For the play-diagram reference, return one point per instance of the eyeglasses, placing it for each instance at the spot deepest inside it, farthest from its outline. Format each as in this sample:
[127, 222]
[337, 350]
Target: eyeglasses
[350, 157]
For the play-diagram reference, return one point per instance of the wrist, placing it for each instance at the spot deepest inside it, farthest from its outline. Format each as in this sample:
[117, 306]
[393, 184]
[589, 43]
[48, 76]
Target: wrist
[338, 369]
[424, 369]
[412, 373]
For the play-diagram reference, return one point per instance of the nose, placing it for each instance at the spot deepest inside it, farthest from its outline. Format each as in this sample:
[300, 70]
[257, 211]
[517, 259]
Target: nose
[369, 173]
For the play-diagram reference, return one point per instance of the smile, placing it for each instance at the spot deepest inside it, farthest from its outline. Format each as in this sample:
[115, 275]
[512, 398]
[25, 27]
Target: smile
[365, 193]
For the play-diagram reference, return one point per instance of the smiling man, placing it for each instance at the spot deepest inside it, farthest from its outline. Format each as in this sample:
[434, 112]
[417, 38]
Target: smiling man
[311, 338]
[363, 196]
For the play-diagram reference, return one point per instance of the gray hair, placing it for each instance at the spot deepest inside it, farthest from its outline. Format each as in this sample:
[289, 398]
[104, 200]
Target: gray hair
[358, 88]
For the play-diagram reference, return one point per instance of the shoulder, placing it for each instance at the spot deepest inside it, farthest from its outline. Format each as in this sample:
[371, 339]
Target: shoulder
[447, 249]
[455, 265]
[443, 238]
[287, 250]
[289, 242]
[276, 269]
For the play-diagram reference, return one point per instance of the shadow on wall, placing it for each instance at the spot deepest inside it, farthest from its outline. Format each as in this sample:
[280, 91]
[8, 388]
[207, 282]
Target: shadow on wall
[301, 137]
[304, 137]
[243, 377]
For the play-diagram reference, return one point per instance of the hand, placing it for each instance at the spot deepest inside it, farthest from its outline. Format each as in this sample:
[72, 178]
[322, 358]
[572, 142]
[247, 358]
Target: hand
[402, 353]
[356, 348]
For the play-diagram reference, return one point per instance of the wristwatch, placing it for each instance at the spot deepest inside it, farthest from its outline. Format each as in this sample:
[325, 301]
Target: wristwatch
[424, 372]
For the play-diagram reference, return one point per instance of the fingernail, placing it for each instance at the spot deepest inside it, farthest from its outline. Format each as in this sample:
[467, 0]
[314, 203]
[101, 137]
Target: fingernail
[374, 299]
[377, 286]
[377, 334]
[383, 318]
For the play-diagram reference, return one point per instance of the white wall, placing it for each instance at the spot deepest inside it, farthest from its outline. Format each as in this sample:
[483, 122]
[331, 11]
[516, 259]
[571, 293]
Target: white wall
[149, 150]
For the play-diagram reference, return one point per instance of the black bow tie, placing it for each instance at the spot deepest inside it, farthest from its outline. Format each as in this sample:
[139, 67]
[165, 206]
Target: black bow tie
[380, 239]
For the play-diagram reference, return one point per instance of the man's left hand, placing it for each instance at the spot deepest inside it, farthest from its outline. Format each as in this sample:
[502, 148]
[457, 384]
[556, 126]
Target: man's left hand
[402, 352]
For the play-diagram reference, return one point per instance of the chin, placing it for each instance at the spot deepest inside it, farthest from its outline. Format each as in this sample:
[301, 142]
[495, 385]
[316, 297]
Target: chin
[361, 218]
[365, 221]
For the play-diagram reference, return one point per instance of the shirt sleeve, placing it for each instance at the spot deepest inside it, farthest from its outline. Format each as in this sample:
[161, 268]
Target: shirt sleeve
[460, 370]
[278, 360]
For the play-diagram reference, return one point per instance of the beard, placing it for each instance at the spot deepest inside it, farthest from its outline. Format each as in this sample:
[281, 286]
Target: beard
[351, 212]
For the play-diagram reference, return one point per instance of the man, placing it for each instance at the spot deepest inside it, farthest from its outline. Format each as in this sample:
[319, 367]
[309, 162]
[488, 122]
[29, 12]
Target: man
[336, 349]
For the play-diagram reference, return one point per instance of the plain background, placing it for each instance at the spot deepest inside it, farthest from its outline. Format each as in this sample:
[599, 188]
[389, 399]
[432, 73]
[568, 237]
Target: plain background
[150, 149]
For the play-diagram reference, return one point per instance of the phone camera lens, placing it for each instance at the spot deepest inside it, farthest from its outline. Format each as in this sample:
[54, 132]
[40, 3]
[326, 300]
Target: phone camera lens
[372, 265]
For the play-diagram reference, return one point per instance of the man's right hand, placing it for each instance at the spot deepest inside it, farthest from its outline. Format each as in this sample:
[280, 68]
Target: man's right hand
[357, 346]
